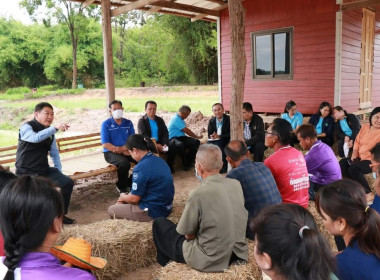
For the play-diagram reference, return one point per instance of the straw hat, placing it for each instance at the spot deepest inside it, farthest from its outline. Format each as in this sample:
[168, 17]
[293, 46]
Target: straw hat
[78, 253]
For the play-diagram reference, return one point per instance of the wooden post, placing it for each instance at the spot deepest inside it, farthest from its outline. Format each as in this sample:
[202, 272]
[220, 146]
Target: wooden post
[237, 24]
[107, 51]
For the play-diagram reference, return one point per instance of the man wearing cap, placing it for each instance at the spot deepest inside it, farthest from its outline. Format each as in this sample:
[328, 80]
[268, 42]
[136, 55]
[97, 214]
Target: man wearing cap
[37, 141]
[114, 134]
[253, 132]
[152, 126]
[211, 232]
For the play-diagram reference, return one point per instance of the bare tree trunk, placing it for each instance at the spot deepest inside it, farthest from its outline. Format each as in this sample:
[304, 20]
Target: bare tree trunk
[75, 68]
[237, 23]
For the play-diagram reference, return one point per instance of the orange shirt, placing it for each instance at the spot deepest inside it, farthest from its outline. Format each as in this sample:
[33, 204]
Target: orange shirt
[365, 141]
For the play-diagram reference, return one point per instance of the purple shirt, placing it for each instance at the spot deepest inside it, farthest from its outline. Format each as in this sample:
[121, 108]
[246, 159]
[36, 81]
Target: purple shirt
[44, 266]
[322, 164]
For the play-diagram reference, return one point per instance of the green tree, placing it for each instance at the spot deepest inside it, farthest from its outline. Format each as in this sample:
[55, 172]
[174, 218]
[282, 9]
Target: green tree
[69, 13]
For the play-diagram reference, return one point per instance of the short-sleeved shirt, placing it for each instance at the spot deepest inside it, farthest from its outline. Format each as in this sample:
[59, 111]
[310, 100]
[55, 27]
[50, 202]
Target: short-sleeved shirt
[153, 181]
[288, 167]
[176, 124]
[345, 127]
[215, 214]
[322, 164]
[116, 134]
[376, 203]
[295, 121]
[258, 184]
[153, 128]
[353, 264]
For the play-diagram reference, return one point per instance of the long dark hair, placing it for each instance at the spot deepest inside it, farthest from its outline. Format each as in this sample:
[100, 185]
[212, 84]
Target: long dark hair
[295, 253]
[340, 108]
[28, 207]
[346, 199]
[289, 106]
[322, 105]
[138, 141]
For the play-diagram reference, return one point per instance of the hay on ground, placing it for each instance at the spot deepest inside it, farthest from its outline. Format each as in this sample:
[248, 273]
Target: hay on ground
[177, 271]
[178, 206]
[127, 245]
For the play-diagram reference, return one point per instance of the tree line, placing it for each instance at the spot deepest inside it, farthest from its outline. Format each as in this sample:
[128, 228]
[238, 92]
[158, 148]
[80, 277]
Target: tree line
[157, 50]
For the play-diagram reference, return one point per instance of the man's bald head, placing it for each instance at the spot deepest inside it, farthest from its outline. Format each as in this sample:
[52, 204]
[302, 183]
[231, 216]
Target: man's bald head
[235, 150]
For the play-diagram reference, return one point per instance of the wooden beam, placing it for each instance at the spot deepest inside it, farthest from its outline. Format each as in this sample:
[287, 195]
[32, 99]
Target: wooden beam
[197, 17]
[187, 8]
[87, 3]
[359, 4]
[153, 10]
[130, 7]
[217, 2]
[107, 51]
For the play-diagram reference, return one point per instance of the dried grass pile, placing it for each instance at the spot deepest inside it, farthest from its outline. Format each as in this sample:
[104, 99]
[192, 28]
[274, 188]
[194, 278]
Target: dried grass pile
[177, 271]
[179, 203]
[127, 245]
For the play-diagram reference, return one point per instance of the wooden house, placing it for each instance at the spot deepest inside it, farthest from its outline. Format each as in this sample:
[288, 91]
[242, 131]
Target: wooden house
[308, 51]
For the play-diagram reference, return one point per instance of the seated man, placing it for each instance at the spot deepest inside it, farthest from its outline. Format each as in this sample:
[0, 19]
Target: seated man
[219, 131]
[152, 126]
[322, 164]
[36, 141]
[287, 164]
[114, 134]
[177, 135]
[257, 182]
[211, 232]
[253, 132]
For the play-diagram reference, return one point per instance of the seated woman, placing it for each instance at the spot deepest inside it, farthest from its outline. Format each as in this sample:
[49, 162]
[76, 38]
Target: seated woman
[358, 165]
[152, 190]
[289, 245]
[294, 117]
[324, 123]
[375, 165]
[344, 210]
[347, 127]
[29, 238]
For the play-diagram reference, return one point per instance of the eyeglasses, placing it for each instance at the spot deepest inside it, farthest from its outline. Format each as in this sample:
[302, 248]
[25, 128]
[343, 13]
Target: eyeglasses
[266, 133]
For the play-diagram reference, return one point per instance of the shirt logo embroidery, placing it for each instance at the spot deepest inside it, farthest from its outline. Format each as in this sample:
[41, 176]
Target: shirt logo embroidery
[135, 176]
[134, 186]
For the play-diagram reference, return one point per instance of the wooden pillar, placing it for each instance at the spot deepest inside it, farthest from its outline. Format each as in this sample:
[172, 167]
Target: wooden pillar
[107, 51]
[237, 24]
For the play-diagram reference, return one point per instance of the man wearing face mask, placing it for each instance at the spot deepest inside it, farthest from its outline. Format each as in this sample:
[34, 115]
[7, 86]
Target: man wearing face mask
[114, 134]
[211, 232]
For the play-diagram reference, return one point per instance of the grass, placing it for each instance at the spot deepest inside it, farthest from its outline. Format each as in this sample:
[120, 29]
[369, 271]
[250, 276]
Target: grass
[19, 95]
[130, 104]
[8, 137]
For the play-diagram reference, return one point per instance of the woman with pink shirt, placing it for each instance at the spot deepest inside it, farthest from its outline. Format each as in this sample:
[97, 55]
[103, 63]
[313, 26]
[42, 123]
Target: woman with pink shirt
[358, 165]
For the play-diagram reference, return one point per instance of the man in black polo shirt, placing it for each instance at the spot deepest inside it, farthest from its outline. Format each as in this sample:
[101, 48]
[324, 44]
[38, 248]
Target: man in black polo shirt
[36, 141]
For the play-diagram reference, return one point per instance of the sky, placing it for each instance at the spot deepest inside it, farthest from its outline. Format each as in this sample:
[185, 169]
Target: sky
[10, 8]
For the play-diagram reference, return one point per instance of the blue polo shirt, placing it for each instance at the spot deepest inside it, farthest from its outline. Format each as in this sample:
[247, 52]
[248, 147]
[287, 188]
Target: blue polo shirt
[345, 127]
[318, 128]
[353, 264]
[176, 124]
[116, 134]
[153, 181]
[376, 203]
[295, 121]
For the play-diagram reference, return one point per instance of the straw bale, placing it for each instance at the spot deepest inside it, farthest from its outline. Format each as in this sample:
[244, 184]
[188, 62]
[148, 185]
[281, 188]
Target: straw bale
[179, 202]
[127, 245]
[177, 271]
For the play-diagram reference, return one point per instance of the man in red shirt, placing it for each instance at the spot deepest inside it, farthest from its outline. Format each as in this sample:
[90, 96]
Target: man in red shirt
[5, 177]
[287, 164]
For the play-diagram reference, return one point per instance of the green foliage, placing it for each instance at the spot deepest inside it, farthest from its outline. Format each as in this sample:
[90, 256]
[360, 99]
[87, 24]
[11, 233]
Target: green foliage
[18, 90]
[39, 94]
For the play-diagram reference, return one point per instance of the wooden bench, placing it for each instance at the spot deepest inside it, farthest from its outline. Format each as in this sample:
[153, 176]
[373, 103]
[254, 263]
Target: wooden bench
[65, 145]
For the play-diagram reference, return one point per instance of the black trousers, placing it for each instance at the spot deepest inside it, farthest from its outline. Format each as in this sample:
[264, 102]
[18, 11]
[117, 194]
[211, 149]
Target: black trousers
[181, 144]
[65, 183]
[123, 163]
[356, 171]
[340, 148]
[168, 241]
[171, 156]
[258, 151]
[313, 189]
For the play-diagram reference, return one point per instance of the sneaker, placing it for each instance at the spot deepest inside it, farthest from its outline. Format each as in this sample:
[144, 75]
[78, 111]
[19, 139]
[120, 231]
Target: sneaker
[68, 221]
